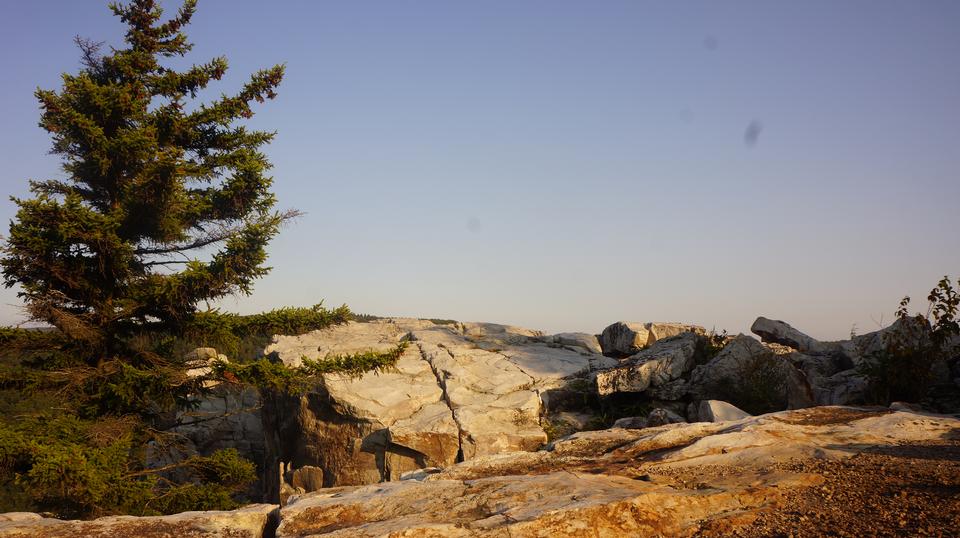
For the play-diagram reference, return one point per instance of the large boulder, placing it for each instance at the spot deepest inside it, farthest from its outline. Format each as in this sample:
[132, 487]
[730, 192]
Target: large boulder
[664, 361]
[459, 391]
[719, 411]
[745, 366]
[254, 521]
[780, 332]
[625, 338]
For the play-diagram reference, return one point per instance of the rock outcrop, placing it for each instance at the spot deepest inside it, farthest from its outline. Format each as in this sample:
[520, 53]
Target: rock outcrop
[664, 361]
[745, 361]
[625, 338]
[462, 391]
[674, 480]
[705, 478]
[254, 521]
[458, 392]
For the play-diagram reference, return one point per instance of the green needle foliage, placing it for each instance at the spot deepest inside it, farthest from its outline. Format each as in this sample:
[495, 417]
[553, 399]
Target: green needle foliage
[165, 202]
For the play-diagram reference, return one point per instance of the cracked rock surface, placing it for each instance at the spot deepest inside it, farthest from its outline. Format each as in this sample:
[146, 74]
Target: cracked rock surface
[459, 391]
[715, 479]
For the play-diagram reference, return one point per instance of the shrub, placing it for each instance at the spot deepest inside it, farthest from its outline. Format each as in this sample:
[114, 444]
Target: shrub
[903, 367]
[758, 386]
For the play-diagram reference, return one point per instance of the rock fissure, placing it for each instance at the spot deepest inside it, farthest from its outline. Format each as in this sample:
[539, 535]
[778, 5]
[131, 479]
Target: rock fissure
[446, 398]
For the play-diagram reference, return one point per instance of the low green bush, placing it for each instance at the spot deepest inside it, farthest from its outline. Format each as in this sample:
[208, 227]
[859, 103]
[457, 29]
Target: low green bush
[758, 386]
[903, 368]
[74, 433]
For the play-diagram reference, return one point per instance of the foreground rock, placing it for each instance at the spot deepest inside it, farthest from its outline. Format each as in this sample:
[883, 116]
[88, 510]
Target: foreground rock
[253, 521]
[675, 480]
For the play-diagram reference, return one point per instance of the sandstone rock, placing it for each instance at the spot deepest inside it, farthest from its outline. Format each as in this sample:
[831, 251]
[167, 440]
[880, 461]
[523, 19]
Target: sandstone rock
[249, 522]
[662, 362]
[718, 411]
[627, 337]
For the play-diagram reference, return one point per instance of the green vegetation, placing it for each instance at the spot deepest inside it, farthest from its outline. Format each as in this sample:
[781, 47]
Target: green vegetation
[164, 204]
[758, 386]
[74, 438]
[275, 376]
[709, 346]
[904, 366]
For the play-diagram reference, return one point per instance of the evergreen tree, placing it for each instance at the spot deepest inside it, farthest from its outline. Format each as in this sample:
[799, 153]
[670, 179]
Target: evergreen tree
[165, 202]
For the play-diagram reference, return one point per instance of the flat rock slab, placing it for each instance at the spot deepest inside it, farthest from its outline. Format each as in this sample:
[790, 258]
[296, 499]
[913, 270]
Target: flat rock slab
[551, 504]
[248, 522]
[615, 482]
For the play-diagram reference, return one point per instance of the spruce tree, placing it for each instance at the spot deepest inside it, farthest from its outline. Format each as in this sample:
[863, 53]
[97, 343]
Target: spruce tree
[164, 203]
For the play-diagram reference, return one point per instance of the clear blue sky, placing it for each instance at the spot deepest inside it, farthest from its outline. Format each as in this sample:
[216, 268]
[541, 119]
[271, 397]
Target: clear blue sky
[562, 165]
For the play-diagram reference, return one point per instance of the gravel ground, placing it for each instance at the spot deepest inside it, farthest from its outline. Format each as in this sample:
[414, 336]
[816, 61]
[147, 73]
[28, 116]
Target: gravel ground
[905, 490]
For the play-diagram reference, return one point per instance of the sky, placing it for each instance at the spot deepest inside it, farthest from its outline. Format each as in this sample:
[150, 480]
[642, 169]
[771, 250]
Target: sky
[563, 165]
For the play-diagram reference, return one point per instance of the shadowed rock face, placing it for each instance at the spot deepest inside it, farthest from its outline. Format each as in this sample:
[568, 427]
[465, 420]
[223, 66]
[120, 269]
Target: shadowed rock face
[614, 482]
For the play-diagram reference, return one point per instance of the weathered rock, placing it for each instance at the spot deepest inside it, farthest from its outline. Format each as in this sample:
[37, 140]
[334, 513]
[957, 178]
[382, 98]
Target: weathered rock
[554, 504]
[459, 391]
[658, 417]
[631, 423]
[199, 363]
[906, 406]
[718, 411]
[576, 341]
[780, 332]
[612, 482]
[843, 388]
[307, 478]
[744, 360]
[661, 416]
[249, 522]
[664, 361]
[366, 429]
[670, 391]
[628, 337]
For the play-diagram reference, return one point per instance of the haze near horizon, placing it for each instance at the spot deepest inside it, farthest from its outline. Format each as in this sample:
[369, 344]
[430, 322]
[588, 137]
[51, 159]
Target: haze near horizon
[562, 165]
